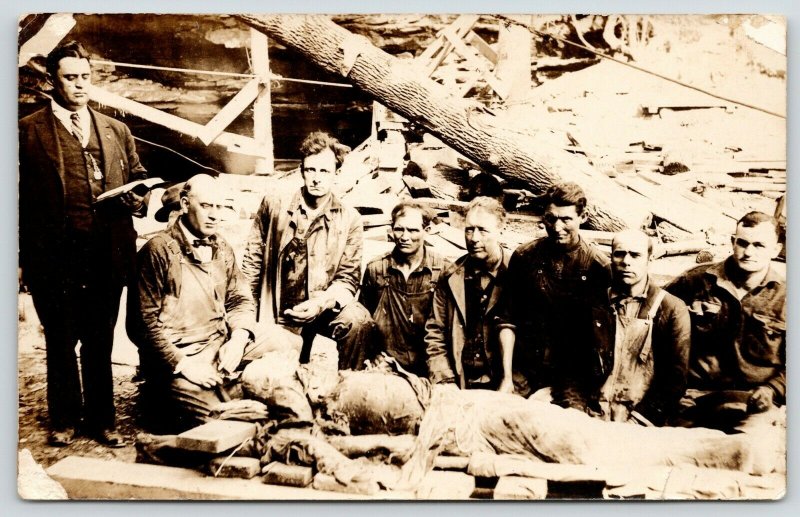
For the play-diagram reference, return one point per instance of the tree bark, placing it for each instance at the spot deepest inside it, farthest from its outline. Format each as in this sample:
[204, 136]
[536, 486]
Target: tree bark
[465, 126]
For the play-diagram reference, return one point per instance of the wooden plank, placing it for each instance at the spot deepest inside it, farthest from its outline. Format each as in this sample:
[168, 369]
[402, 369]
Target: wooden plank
[474, 60]
[482, 47]
[233, 109]
[233, 142]
[96, 479]
[234, 467]
[432, 60]
[216, 436]
[277, 473]
[524, 488]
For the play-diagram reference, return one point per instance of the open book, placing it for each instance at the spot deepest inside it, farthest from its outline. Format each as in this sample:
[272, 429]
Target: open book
[140, 187]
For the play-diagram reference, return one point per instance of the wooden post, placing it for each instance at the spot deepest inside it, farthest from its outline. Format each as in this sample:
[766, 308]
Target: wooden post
[262, 107]
[514, 60]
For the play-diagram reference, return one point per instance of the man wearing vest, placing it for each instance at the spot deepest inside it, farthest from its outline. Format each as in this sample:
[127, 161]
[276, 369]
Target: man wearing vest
[75, 256]
[459, 336]
[634, 368]
[303, 258]
[398, 288]
[192, 314]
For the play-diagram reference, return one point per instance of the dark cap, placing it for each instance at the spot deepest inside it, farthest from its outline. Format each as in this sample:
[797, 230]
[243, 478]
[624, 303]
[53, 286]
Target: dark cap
[170, 200]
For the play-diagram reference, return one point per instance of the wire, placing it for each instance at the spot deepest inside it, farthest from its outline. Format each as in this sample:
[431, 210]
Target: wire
[508, 19]
[179, 154]
[273, 77]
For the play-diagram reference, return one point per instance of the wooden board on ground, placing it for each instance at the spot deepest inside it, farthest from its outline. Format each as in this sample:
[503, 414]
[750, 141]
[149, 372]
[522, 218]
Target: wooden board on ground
[96, 479]
[216, 436]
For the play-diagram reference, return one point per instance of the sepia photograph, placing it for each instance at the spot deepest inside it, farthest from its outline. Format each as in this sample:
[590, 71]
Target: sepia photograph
[429, 257]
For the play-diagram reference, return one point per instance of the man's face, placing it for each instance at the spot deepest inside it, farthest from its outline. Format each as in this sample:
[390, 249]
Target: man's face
[72, 81]
[408, 232]
[203, 208]
[629, 258]
[481, 231]
[755, 247]
[562, 223]
[318, 173]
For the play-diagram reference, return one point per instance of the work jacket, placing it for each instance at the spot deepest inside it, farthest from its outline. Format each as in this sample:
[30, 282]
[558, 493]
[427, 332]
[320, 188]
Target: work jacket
[736, 344]
[445, 334]
[152, 302]
[593, 362]
[333, 244]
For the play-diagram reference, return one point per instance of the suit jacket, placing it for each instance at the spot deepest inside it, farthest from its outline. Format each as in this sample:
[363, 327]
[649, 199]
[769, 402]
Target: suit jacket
[41, 197]
[444, 332]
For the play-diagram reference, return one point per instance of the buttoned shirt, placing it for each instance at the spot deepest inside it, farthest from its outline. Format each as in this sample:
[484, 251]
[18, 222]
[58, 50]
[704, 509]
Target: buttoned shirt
[628, 305]
[736, 344]
[64, 116]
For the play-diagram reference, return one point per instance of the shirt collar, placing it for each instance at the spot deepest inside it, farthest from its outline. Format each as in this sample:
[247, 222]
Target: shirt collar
[641, 294]
[473, 268]
[298, 204]
[64, 115]
[427, 262]
[720, 274]
[188, 236]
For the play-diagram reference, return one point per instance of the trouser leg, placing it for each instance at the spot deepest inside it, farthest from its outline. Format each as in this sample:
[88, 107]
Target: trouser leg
[97, 339]
[352, 329]
[63, 382]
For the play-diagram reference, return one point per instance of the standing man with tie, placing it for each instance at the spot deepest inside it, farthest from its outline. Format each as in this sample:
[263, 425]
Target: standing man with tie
[75, 256]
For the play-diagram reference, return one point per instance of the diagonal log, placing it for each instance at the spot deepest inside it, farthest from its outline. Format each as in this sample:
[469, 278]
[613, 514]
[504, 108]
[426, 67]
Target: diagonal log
[463, 125]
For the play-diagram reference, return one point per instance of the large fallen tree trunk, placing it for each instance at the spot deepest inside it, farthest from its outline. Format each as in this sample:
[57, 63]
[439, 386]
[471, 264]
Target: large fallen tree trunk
[463, 125]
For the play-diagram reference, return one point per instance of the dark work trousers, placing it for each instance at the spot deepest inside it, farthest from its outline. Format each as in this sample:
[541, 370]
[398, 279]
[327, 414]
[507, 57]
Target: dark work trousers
[352, 329]
[79, 304]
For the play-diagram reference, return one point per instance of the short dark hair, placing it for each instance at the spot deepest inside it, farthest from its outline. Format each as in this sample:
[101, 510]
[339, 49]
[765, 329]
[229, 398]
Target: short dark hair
[566, 194]
[754, 218]
[490, 205]
[404, 207]
[317, 142]
[68, 49]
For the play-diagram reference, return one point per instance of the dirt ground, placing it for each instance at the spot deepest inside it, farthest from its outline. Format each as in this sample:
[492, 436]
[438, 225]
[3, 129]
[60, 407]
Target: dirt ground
[31, 372]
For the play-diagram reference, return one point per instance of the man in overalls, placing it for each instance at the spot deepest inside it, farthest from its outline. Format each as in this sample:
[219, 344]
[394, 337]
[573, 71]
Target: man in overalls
[460, 339]
[191, 314]
[738, 316]
[398, 288]
[634, 368]
[551, 285]
[303, 258]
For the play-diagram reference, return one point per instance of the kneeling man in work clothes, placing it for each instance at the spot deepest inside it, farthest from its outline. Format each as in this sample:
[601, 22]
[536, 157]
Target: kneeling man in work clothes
[634, 367]
[192, 313]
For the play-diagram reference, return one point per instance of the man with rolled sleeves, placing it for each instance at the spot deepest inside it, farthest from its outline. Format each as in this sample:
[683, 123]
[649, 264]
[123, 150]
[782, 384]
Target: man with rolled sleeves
[76, 256]
[738, 316]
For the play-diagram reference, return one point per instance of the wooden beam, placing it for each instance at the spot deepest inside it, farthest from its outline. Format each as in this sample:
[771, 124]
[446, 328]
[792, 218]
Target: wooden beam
[474, 60]
[233, 142]
[482, 47]
[228, 114]
[513, 60]
[262, 108]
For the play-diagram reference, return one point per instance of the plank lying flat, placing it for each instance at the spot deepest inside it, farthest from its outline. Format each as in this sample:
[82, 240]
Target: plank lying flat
[93, 478]
[216, 436]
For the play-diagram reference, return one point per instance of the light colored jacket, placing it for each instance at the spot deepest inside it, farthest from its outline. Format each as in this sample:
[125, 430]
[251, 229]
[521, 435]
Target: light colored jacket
[334, 246]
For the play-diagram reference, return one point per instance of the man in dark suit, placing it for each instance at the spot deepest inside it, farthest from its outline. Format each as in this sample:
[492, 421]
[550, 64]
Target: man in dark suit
[75, 255]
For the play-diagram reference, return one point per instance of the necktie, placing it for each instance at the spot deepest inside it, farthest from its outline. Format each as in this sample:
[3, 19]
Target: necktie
[201, 242]
[76, 127]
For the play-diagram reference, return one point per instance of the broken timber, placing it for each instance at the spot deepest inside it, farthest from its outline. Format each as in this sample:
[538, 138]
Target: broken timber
[459, 124]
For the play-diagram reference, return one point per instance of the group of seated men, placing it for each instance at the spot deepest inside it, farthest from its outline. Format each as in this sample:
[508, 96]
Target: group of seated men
[555, 319]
